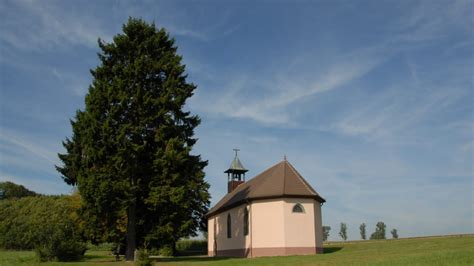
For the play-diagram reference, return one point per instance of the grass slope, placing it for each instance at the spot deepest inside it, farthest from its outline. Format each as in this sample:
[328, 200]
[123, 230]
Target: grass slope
[447, 250]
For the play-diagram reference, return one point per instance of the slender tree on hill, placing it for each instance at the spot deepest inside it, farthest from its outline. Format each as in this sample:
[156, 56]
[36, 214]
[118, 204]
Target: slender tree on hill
[326, 230]
[363, 234]
[130, 151]
[343, 231]
[394, 233]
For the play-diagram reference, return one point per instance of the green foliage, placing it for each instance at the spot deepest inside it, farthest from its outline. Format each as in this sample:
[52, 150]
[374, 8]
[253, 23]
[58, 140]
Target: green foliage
[59, 243]
[379, 231]
[186, 247]
[326, 230]
[394, 233]
[10, 190]
[49, 224]
[343, 231]
[363, 234]
[143, 258]
[130, 152]
[166, 251]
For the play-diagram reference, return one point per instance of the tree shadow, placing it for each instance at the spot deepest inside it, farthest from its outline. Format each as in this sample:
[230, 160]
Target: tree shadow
[328, 250]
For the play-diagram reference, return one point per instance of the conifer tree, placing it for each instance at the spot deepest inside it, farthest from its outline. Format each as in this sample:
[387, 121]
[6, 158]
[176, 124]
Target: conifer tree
[130, 154]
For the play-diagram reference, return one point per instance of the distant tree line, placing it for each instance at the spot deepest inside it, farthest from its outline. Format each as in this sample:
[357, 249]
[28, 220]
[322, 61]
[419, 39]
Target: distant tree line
[379, 233]
[10, 190]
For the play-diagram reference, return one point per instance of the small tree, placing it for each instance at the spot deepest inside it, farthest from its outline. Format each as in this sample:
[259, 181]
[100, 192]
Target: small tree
[326, 230]
[379, 231]
[343, 231]
[394, 233]
[363, 233]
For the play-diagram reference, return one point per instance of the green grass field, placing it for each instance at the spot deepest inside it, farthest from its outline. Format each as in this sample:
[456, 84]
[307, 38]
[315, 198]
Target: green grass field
[446, 250]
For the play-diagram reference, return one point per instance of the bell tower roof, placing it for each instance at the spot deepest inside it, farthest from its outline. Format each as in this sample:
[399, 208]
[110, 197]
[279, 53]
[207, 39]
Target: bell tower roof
[236, 166]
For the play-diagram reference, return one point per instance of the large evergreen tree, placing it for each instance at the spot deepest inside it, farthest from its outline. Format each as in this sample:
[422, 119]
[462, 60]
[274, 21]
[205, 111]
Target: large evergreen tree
[130, 152]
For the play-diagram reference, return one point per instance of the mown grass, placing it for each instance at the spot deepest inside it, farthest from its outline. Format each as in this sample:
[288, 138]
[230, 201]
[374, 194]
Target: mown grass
[449, 250]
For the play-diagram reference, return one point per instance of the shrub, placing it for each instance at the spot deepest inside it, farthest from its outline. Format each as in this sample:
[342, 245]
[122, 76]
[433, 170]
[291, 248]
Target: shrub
[58, 248]
[59, 239]
[143, 258]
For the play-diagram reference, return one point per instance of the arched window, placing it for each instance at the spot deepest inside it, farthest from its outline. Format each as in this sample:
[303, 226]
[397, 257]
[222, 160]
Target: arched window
[246, 221]
[229, 226]
[298, 208]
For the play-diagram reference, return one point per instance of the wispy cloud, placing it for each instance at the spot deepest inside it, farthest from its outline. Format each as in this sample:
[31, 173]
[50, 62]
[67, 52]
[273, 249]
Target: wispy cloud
[430, 20]
[33, 147]
[73, 81]
[281, 92]
[30, 25]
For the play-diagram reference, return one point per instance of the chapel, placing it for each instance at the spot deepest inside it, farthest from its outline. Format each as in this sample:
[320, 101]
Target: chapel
[276, 213]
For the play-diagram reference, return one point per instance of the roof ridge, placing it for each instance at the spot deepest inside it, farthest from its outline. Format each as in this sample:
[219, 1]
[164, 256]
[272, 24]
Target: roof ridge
[302, 180]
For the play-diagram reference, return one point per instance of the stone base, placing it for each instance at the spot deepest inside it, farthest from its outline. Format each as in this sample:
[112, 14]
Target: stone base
[266, 252]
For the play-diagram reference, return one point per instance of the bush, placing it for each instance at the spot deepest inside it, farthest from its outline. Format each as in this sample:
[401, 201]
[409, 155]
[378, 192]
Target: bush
[59, 240]
[143, 258]
[58, 248]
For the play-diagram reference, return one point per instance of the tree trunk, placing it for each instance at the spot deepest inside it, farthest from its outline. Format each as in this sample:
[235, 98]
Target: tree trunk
[131, 233]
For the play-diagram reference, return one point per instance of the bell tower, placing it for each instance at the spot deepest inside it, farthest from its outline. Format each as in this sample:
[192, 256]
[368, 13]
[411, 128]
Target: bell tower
[235, 173]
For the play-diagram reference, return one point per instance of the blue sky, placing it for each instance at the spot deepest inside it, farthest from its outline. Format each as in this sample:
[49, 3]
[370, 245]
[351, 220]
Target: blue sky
[372, 101]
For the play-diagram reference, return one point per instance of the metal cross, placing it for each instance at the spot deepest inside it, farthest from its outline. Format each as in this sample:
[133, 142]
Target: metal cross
[236, 150]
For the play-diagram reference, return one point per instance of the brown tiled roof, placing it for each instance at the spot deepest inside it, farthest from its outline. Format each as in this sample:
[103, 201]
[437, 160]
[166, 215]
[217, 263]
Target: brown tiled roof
[280, 180]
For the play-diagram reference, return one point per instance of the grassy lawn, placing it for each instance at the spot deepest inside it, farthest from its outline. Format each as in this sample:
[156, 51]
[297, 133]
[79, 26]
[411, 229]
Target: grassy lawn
[450, 250]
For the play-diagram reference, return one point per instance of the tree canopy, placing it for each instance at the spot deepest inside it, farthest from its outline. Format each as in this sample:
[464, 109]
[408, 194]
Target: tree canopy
[130, 151]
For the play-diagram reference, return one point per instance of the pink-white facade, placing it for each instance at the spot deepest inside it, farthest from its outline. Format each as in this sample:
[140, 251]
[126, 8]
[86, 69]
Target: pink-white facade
[274, 229]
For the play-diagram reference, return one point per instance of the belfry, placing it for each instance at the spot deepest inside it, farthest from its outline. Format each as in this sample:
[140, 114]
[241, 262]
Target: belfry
[235, 173]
